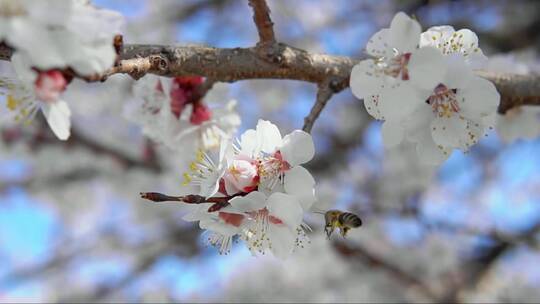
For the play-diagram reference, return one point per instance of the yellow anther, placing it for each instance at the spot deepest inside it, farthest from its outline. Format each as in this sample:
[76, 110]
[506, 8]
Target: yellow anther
[200, 155]
[193, 166]
[12, 103]
[187, 179]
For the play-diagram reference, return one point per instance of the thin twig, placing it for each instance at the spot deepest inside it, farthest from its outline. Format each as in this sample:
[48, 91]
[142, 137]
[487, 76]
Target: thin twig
[324, 93]
[375, 261]
[261, 17]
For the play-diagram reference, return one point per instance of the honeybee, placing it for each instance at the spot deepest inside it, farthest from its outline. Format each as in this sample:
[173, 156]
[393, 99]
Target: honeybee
[345, 221]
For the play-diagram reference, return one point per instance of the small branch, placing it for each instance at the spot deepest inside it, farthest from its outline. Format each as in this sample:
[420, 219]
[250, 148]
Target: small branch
[324, 93]
[516, 90]
[396, 272]
[201, 90]
[261, 17]
[218, 202]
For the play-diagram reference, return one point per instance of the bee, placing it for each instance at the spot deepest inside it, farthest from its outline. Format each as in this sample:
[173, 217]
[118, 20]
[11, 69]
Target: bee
[345, 221]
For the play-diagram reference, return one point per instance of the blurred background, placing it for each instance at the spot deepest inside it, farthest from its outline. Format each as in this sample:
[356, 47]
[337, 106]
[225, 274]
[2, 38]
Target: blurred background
[73, 228]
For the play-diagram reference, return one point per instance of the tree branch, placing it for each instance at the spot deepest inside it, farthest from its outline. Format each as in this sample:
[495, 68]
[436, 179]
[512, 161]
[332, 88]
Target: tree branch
[324, 93]
[233, 64]
[395, 271]
[261, 17]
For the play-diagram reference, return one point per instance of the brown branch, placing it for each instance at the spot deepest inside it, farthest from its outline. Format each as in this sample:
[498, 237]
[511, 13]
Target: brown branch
[375, 261]
[516, 90]
[476, 270]
[233, 64]
[218, 202]
[261, 17]
[324, 93]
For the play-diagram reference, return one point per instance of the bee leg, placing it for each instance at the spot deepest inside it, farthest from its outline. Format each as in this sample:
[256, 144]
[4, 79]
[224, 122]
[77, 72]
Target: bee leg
[343, 231]
[329, 230]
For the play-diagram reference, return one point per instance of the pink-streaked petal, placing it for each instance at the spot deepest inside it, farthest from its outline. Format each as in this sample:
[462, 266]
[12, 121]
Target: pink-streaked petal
[286, 208]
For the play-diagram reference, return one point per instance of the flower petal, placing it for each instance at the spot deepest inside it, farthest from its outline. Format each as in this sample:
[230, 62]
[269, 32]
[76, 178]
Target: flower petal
[282, 240]
[377, 45]
[392, 133]
[58, 117]
[300, 183]
[365, 81]
[479, 98]
[252, 201]
[399, 102]
[297, 147]
[448, 132]
[268, 136]
[436, 36]
[372, 106]
[427, 68]
[248, 143]
[430, 153]
[458, 73]
[404, 33]
[286, 208]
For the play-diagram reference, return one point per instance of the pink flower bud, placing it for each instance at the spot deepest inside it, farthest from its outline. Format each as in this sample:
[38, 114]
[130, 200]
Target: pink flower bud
[49, 85]
[200, 114]
[242, 175]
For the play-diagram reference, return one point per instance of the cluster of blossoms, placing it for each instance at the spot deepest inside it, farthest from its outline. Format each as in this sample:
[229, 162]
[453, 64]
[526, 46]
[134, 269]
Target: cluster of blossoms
[423, 86]
[52, 40]
[172, 112]
[258, 191]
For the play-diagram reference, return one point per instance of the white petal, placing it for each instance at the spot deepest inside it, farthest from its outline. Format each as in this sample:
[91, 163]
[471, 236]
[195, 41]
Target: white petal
[404, 33]
[392, 133]
[447, 132]
[297, 148]
[282, 240]
[268, 136]
[248, 143]
[418, 124]
[427, 68]
[436, 36]
[458, 73]
[364, 79]
[22, 67]
[286, 208]
[221, 228]
[58, 117]
[253, 201]
[429, 153]
[377, 45]
[398, 103]
[372, 106]
[300, 183]
[479, 98]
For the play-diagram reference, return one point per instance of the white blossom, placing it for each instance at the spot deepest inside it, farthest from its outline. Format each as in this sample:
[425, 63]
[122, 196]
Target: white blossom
[34, 92]
[60, 33]
[400, 75]
[180, 127]
[463, 42]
